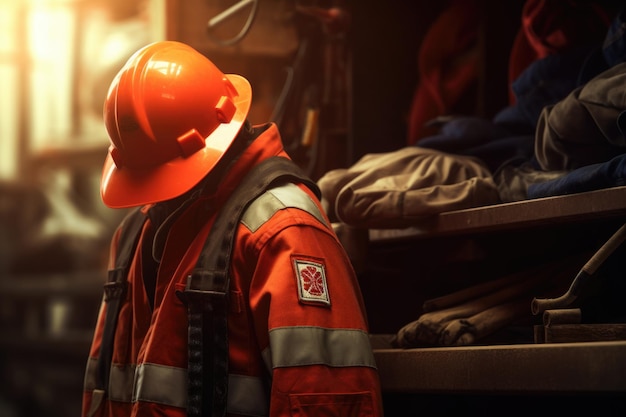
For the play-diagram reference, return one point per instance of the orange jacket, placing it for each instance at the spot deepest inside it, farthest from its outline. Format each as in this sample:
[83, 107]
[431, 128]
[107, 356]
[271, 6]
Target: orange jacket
[298, 341]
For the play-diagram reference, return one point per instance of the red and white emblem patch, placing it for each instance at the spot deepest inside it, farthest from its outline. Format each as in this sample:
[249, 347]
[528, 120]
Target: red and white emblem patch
[312, 286]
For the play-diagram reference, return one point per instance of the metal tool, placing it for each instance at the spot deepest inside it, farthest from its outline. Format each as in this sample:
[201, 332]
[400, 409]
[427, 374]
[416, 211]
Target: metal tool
[539, 305]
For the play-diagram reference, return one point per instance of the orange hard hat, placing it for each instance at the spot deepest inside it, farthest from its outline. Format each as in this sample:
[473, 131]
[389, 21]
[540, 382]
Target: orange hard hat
[171, 114]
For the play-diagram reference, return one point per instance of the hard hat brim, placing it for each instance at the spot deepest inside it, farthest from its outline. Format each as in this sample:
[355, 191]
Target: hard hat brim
[122, 187]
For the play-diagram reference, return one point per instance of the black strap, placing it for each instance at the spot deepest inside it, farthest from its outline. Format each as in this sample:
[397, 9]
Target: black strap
[115, 291]
[207, 288]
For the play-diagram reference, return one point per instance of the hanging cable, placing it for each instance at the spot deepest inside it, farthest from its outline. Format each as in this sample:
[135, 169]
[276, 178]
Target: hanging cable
[226, 14]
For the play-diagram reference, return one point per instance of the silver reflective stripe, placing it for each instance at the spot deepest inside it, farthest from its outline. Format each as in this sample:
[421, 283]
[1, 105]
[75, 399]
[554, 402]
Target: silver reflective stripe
[168, 385]
[121, 382]
[299, 346]
[285, 196]
[161, 384]
[90, 375]
[247, 396]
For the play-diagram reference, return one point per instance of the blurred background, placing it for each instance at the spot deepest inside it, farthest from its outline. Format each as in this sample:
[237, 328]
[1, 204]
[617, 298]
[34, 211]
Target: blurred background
[57, 58]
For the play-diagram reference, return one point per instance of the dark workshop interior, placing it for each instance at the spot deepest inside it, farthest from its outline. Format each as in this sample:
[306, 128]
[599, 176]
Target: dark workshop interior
[497, 289]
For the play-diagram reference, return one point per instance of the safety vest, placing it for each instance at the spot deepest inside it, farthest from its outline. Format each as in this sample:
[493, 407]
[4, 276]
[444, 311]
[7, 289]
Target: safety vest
[206, 293]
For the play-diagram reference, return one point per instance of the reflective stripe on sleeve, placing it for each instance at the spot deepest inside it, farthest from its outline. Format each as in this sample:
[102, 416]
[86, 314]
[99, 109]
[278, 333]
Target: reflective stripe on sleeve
[247, 396]
[300, 346]
[285, 196]
[120, 380]
[161, 384]
[167, 385]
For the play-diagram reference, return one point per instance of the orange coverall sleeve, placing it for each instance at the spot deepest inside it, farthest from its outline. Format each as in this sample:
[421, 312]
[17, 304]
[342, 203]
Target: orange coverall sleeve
[310, 321]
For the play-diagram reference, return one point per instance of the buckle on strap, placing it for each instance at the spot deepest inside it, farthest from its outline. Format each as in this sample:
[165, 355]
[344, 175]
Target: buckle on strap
[208, 280]
[208, 290]
[114, 291]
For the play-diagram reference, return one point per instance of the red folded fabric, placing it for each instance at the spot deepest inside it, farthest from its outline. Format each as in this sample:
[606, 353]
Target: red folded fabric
[450, 56]
[551, 27]
[448, 61]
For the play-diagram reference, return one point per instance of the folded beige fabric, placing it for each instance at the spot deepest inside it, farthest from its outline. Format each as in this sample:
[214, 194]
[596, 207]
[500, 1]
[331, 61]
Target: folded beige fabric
[396, 189]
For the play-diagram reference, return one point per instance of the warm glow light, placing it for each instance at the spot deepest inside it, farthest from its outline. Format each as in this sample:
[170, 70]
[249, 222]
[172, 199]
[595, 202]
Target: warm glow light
[51, 38]
[8, 88]
[56, 58]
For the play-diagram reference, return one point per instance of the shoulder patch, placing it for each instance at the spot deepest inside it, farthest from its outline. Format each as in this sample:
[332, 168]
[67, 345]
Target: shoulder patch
[311, 279]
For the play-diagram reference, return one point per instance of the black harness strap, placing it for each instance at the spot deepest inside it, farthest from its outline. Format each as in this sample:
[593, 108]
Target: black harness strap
[115, 291]
[207, 289]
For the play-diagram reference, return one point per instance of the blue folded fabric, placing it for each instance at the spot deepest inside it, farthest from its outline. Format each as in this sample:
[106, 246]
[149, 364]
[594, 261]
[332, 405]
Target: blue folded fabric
[588, 178]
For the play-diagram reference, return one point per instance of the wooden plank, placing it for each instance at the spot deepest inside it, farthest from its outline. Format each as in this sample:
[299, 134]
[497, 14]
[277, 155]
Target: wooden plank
[597, 204]
[561, 333]
[594, 367]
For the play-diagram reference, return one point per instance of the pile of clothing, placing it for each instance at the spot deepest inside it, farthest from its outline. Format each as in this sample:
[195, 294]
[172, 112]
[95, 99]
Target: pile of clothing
[563, 132]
